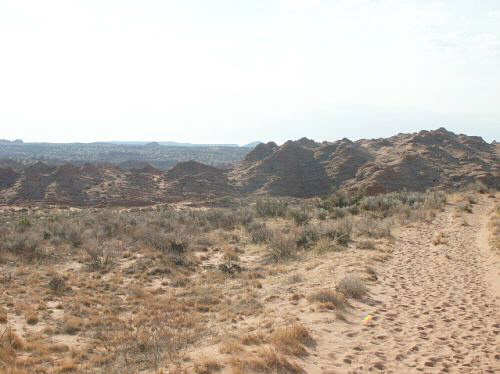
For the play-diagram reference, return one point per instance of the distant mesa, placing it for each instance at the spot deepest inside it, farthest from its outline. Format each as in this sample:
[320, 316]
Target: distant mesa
[16, 141]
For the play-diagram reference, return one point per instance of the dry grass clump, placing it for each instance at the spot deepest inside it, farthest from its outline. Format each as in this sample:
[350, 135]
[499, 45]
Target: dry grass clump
[330, 299]
[292, 340]
[230, 345]
[3, 315]
[31, 316]
[72, 325]
[325, 244]
[265, 360]
[252, 339]
[207, 365]
[495, 229]
[10, 344]
[365, 244]
[352, 286]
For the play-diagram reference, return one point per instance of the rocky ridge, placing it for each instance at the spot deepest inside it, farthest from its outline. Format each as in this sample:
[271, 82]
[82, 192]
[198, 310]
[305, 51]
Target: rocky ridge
[302, 168]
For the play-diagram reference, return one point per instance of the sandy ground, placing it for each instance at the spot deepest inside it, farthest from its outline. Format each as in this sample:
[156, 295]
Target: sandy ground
[435, 309]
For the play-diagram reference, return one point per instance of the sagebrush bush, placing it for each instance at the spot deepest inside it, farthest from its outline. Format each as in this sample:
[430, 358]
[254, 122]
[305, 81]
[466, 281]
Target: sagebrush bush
[373, 227]
[340, 231]
[57, 284]
[259, 232]
[352, 286]
[300, 217]
[307, 236]
[101, 255]
[271, 207]
[282, 247]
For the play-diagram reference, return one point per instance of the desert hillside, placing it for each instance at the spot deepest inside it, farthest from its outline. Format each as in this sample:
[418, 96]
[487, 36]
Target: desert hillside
[397, 283]
[302, 168]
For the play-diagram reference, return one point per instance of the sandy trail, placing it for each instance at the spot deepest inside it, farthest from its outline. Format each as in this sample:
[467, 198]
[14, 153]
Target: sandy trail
[434, 308]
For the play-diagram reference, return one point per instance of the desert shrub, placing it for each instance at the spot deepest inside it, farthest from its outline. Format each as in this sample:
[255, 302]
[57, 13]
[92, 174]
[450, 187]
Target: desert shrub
[282, 247]
[271, 207]
[27, 244]
[307, 236]
[338, 200]
[67, 231]
[175, 243]
[479, 187]
[325, 244]
[259, 232]
[340, 231]
[245, 216]
[57, 284]
[397, 202]
[322, 214]
[471, 199]
[337, 212]
[218, 218]
[352, 286]
[23, 224]
[300, 217]
[374, 228]
[435, 200]
[101, 255]
[464, 207]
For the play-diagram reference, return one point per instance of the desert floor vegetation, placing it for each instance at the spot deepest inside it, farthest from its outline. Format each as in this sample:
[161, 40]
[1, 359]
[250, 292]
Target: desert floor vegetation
[238, 289]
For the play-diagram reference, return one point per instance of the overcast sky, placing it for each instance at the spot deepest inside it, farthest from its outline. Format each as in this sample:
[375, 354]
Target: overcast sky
[234, 71]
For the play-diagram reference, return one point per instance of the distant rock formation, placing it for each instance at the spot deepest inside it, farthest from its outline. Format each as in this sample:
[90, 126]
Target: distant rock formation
[301, 168]
[415, 162]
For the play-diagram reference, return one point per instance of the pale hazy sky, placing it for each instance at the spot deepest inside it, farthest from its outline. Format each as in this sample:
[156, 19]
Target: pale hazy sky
[235, 71]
